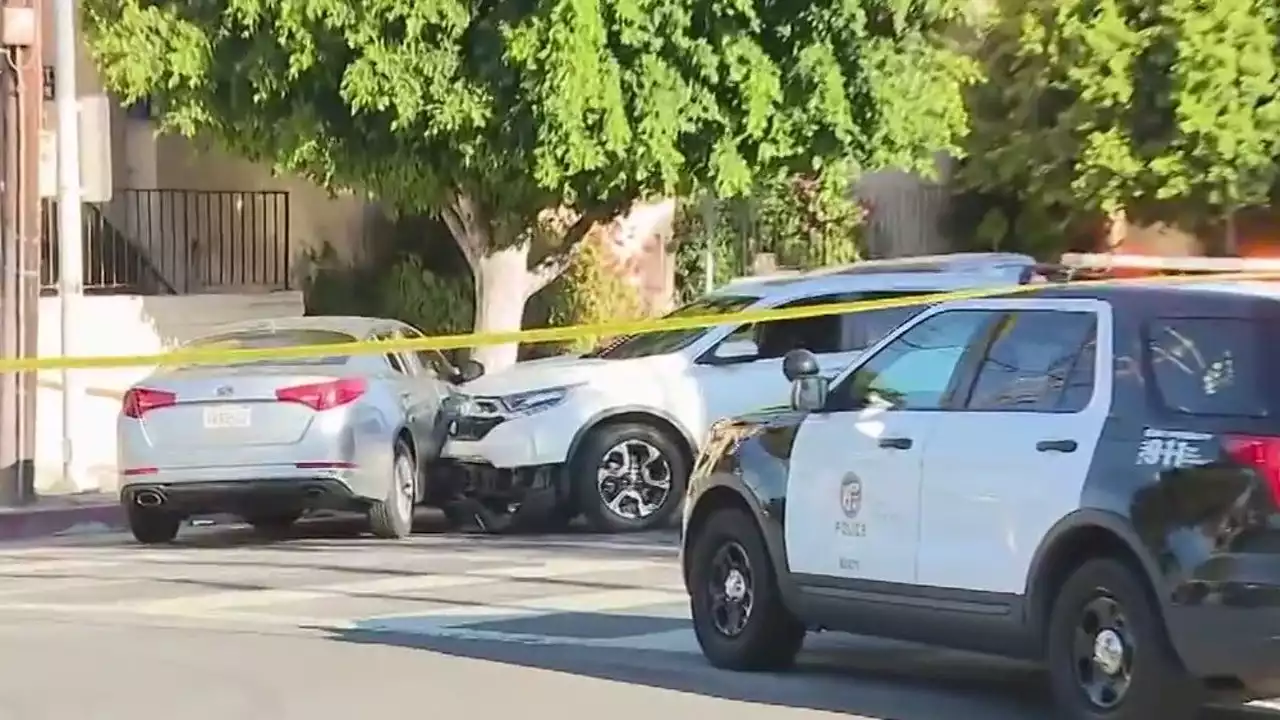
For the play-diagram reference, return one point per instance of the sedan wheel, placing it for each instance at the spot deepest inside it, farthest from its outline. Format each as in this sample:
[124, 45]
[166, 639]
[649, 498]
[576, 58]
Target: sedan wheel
[393, 517]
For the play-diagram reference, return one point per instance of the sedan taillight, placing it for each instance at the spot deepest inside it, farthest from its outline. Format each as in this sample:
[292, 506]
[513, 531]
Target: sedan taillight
[138, 401]
[325, 395]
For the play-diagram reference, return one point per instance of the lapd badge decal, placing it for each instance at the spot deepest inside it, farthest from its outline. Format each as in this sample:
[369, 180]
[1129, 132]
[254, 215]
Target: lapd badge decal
[851, 495]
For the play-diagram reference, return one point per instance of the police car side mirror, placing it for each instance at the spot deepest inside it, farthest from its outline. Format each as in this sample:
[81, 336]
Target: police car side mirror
[800, 363]
[809, 393]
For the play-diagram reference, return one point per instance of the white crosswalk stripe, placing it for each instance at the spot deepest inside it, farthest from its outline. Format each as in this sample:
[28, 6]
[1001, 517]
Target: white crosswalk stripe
[449, 588]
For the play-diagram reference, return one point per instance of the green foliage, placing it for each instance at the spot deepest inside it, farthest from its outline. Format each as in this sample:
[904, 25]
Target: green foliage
[805, 221]
[1166, 110]
[398, 286]
[435, 304]
[592, 290]
[536, 104]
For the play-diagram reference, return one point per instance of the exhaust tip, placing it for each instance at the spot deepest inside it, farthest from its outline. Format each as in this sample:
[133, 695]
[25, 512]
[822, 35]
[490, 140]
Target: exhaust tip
[148, 498]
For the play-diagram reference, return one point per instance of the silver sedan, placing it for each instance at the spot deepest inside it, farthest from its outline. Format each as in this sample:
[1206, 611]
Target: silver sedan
[270, 440]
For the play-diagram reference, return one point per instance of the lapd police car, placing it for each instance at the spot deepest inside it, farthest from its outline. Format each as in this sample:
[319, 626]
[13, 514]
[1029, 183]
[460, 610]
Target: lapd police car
[1087, 476]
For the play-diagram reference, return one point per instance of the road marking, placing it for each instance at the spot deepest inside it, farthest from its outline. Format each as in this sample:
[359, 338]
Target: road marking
[37, 567]
[61, 585]
[233, 599]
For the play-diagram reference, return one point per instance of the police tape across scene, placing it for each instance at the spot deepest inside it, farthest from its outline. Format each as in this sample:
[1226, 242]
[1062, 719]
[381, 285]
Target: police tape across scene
[218, 356]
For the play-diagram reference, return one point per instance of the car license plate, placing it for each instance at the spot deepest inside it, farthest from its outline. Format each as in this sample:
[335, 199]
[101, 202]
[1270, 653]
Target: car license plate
[221, 417]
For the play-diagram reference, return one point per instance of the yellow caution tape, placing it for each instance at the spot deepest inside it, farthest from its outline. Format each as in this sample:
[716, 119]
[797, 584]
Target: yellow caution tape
[217, 355]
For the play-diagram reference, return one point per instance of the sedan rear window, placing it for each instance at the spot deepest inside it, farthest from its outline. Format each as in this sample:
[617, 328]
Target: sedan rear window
[1210, 366]
[276, 339]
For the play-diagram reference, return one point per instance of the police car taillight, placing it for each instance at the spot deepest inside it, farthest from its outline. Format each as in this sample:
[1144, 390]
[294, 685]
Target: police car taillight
[1261, 453]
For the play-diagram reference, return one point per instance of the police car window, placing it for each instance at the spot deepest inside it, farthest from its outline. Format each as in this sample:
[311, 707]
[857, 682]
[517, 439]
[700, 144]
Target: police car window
[1029, 362]
[868, 327]
[914, 371]
[1207, 366]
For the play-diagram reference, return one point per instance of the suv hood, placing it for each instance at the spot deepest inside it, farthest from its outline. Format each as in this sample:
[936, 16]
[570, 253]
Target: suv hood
[538, 374]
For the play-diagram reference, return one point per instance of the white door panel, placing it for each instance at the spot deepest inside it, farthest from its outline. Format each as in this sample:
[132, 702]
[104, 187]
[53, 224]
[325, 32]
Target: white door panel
[990, 496]
[852, 504]
[996, 481]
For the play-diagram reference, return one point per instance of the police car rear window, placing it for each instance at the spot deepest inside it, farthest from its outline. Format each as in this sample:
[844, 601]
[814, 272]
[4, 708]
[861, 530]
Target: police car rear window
[1209, 366]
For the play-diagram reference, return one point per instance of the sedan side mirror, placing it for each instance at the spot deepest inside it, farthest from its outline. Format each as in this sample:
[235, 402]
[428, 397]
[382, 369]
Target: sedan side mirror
[468, 370]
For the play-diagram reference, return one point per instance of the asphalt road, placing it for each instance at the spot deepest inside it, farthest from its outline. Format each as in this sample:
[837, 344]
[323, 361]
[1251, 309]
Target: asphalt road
[328, 625]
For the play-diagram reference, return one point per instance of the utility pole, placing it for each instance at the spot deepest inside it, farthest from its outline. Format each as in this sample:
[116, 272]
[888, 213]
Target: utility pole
[20, 99]
[70, 249]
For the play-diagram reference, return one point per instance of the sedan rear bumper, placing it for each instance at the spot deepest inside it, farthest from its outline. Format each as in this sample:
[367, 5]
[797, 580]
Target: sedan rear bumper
[243, 498]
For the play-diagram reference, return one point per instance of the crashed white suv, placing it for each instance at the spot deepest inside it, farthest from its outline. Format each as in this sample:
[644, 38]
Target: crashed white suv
[612, 434]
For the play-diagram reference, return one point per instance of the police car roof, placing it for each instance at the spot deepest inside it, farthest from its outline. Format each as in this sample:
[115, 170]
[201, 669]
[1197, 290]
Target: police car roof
[1179, 297]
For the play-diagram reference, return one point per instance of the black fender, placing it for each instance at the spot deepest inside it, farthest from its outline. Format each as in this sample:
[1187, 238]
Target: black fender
[753, 471]
[1046, 568]
[595, 420]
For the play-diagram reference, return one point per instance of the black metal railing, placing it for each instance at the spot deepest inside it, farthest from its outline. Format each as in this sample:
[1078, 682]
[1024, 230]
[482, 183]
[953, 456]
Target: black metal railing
[178, 241]
[112, 264]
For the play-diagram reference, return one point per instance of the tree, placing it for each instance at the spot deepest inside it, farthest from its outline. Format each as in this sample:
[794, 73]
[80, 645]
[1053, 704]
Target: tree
[1120, 108]
[525, 123]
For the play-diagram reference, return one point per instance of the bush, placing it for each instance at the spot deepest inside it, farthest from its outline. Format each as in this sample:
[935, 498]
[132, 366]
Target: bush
[806, 222]
[401, 287]
[594, 289]
[435, 304]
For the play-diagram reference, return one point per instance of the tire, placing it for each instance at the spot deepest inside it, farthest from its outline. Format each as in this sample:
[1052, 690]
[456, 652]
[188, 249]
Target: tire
[153, 527]
[1157, 687]
[770, 637]
[392, 518]
[274, 523]
[603, 443]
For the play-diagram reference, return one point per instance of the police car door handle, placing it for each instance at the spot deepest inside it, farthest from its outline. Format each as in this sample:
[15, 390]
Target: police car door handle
[1062, 446]
[900, 443]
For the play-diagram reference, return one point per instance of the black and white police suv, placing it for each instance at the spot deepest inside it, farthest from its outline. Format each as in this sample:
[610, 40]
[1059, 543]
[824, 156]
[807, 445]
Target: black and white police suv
[1086, 476]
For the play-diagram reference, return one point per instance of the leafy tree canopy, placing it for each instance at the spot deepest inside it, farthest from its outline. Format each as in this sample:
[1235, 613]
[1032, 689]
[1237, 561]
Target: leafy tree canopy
[509, 118]
[533, 104]
[1168, 110]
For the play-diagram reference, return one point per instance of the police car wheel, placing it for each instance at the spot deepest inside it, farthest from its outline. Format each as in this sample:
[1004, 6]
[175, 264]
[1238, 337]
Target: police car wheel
[1108, 654]
[738, 613]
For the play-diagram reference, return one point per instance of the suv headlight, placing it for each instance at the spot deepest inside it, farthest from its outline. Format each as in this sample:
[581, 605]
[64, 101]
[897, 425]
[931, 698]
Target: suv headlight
[526, 403]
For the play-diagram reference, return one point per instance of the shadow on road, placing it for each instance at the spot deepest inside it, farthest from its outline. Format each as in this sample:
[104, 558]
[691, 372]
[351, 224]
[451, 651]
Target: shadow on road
[887, 681]
[853, 676]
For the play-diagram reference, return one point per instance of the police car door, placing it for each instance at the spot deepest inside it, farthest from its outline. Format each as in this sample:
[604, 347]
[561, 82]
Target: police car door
[853, 498]
[1011, 461]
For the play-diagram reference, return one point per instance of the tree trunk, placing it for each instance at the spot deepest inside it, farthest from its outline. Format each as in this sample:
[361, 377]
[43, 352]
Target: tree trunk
[502, 282]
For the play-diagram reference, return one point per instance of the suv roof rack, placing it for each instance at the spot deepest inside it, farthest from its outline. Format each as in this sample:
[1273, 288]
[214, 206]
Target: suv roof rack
[958, 262]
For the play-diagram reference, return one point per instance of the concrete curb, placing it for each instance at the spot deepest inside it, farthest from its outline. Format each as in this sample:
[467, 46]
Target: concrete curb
[38, 522]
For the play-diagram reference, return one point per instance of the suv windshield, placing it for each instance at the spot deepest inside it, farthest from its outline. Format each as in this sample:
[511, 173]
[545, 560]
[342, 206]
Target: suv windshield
[275, 339]
[669, 341]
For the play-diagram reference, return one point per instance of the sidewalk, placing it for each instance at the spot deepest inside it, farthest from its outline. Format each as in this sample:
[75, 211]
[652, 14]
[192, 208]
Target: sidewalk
[62, 515]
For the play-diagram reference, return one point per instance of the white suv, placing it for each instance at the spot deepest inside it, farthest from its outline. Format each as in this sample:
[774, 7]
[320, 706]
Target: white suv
[612, 434]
